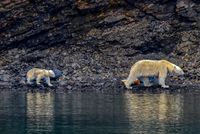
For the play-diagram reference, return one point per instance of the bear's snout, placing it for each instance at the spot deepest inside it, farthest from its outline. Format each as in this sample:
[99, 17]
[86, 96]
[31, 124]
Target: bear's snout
[180, 72]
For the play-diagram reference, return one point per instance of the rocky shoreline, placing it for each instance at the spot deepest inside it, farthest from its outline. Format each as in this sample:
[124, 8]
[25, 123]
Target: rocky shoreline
[95, 43]
[82, 71]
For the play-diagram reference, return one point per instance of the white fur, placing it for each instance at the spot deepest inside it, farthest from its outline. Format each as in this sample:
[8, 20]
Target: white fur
[178, 70]
[146, 68]
[53, 74]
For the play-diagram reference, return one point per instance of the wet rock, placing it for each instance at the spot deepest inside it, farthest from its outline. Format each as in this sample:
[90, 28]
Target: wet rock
[182, 4]
[58, 73]
[63, 83]
[113, 19]
[2, 72]
[187, 9]
[69, 87]
[5, 78]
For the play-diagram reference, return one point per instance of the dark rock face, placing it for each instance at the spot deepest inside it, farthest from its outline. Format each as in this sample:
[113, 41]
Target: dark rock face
[95, 42]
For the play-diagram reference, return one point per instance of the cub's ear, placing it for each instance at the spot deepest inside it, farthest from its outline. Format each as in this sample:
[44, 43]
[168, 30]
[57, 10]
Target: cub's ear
[52, 73]
[124, 81]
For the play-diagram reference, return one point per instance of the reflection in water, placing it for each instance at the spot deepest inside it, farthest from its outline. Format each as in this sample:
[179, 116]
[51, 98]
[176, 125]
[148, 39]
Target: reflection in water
[90, 113]
[39, 112]
[98, 113]
[170, 106]
[157, 109]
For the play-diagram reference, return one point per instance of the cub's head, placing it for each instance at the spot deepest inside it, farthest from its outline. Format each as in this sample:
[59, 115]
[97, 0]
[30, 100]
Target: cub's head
[126, 84]
[178, 70]
[51, 73]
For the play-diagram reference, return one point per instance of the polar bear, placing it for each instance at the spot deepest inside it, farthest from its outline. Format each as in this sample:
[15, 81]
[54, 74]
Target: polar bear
[38, 74]
[143, 69]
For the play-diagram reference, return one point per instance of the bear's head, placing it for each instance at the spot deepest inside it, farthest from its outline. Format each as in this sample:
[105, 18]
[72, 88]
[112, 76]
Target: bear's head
[178, 70]
[126, 84]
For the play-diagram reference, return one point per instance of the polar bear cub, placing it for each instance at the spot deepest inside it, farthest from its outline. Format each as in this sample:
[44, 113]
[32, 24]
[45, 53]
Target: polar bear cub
[38, 74]
[145, 68]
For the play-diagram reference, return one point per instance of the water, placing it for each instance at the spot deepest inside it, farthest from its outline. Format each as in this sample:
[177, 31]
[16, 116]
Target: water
[99, 113]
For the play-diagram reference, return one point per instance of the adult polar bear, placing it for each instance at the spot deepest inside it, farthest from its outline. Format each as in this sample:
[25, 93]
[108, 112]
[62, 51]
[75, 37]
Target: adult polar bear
[142, 69]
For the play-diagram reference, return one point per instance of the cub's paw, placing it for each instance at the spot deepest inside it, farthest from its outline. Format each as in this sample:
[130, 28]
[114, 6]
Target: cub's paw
[129, 87]
[165, 86]
[30, 83]
[50, 85]
[38, 83]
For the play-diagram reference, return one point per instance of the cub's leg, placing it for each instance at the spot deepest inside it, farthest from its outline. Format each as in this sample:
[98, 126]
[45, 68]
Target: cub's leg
[38, 79]
[29, 80]
[162, 77]
[146, 82]
[48, 81]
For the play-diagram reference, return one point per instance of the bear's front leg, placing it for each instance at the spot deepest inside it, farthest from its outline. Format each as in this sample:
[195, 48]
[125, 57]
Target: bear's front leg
[162, 82]
[48, 81]
[162, 77]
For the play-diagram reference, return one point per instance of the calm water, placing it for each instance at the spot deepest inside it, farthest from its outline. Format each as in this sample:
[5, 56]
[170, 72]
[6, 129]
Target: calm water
[99, 113]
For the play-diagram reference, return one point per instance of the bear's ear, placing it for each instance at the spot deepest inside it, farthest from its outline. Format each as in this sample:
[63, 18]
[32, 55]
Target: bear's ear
[174, 68]
[124, 81]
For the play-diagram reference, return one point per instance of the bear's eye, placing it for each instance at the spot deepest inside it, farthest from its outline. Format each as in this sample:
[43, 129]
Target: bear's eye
[175, 68]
